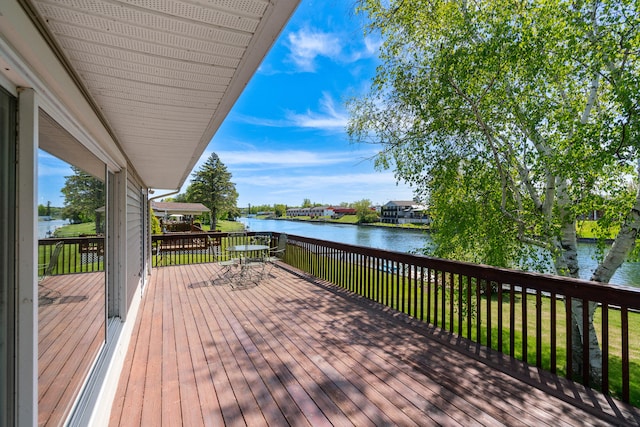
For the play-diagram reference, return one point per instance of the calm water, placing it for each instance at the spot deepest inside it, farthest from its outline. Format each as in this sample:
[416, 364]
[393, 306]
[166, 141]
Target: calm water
[408, 240]
[46, 228]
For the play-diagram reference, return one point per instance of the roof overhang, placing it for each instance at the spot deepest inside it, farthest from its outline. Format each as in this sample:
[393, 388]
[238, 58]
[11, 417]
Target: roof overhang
[173, 208]
[161, 75]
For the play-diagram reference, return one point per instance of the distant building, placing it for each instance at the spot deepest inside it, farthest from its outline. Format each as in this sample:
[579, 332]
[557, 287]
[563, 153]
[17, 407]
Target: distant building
[338, 212]
[168, 209]
[311, 212]
[404, 212]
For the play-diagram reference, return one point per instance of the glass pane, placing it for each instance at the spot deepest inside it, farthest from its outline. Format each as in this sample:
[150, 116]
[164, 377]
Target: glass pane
[71, 270]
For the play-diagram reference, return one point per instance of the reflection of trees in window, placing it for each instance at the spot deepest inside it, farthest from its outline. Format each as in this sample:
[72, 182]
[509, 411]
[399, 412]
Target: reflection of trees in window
[83, 198]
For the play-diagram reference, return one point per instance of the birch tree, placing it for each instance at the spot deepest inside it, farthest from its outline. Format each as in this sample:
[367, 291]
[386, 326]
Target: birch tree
[511, 119]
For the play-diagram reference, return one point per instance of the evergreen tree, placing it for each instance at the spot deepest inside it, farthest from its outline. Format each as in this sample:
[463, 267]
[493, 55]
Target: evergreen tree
[211, 185]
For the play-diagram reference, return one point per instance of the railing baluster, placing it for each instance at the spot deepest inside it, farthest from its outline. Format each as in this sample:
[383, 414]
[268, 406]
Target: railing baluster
[525, 329]
[586, 338]
[469, 310]
[429, 294]
[460, 297]
[488, 297]
[624, 320]
[435, 298]
[605, 348]
[451, 295]
[479, 312]
[443, 301]
[421, 284]
[512, 320]
[538, 328]
[500, 285]
[553, 326]
[568, 344]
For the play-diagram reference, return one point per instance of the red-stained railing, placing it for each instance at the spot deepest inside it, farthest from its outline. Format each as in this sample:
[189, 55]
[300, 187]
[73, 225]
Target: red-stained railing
[524, 315]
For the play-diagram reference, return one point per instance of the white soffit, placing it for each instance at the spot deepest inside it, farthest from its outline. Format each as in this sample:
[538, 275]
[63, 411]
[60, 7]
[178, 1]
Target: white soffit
[164, 73]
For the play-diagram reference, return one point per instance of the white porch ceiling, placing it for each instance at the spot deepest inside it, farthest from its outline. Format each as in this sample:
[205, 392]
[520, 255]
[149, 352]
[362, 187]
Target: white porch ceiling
[163, 74]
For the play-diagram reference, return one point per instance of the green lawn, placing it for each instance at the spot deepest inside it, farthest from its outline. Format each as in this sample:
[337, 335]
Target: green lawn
[225, 226]
[589, 230]
[74, 230]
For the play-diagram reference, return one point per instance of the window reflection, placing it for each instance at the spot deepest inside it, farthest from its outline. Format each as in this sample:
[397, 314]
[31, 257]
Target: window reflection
[71, 281]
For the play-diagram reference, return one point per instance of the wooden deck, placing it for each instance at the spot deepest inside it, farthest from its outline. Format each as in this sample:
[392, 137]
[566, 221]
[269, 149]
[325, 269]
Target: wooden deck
[297, 351]
[71, 330]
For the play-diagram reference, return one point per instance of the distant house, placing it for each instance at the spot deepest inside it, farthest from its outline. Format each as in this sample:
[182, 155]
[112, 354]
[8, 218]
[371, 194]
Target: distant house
[168, 209]
[404, 212]
[337, 212]
[311, 212]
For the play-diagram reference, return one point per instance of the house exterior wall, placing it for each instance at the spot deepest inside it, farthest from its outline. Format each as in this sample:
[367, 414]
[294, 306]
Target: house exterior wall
[403, 213]
[32, 74]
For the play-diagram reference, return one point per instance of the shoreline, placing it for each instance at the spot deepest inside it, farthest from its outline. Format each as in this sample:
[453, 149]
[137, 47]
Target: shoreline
[591, 240]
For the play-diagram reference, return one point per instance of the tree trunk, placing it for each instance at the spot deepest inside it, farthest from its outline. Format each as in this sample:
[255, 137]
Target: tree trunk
[213, 220]
[578, 336]
[567, 265]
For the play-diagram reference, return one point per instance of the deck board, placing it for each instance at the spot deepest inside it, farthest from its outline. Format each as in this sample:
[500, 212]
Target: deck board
[71, 323]
[298, 351]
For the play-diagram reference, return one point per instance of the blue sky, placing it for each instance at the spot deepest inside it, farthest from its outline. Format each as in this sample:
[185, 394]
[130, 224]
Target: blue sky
[284, 140]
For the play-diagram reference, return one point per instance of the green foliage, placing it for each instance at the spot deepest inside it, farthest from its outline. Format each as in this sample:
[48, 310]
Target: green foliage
[211, 185]
[83, 195]
[364, 213]
[178, 198]
[155, 223]
[280, 210]
[511, 119]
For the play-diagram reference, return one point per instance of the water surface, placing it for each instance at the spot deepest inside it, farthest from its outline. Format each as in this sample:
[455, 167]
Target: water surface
[403, 240]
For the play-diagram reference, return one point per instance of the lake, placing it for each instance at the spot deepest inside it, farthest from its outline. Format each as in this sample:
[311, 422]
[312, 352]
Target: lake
[46, 228]
[393, 239]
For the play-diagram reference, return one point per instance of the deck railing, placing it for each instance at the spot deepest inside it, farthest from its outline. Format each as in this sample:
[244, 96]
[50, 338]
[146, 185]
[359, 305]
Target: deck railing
[523, 315]
[76, 255]
[195, 248]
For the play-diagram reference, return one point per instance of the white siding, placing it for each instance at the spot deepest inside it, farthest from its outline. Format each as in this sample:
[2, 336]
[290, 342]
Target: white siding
[135, 238]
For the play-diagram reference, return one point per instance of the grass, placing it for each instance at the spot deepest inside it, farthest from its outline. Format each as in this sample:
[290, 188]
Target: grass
[70, 260]
[74, 230]
[402, 294]
[589, 230]
[225, 226]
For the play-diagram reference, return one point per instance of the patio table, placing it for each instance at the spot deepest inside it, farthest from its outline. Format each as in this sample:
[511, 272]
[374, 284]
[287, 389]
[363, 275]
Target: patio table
[251, 262]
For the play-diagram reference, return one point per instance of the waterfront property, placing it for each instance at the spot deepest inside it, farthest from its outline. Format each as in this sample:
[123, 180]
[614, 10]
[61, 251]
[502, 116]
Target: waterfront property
[128, 329]
[404, 212]
[466, 331]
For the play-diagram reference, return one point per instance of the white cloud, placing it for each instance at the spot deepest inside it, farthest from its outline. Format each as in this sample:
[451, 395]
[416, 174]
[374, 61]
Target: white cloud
[368, 50]
[307, 44]
[283, 158]
[329, 117]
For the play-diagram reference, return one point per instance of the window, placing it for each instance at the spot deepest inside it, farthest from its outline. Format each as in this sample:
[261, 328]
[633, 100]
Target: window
[72, 260]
